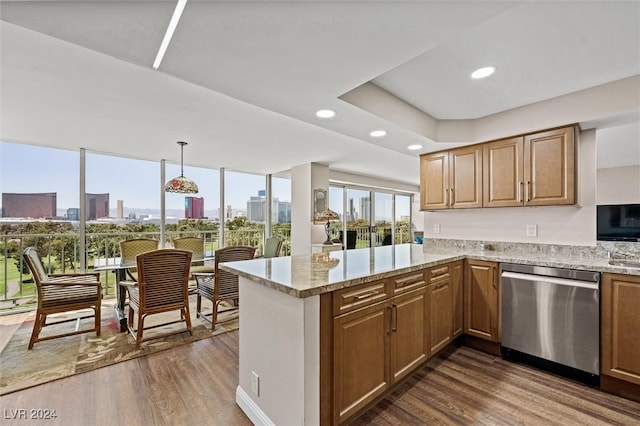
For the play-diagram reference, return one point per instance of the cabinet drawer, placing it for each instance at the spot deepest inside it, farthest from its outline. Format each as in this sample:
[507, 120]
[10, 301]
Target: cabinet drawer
[349, 299]
[406, 282]
[438, 273]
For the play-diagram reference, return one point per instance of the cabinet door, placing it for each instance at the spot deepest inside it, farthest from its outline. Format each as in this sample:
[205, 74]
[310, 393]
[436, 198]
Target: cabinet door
[409, 332]
[434, 181]
[481, 300]
[503, 173]
[360, 357]
[465, 166]
[457, 277]
[440, 314]
[549, 163]
[621, 327]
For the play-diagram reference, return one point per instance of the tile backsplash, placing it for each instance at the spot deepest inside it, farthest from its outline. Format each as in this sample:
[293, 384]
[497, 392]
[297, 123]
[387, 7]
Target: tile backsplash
[618, 250]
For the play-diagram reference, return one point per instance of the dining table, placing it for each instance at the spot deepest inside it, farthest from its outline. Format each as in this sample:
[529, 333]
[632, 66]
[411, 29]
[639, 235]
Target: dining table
[122, 270]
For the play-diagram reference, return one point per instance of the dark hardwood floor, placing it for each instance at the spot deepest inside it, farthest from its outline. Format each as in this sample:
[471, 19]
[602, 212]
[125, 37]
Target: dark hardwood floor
[195, 385]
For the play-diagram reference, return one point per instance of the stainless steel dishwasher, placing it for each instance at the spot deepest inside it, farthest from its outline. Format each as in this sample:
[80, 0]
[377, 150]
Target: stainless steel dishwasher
[551, 318]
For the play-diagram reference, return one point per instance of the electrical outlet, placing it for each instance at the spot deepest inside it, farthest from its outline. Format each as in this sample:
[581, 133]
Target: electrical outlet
[255, 383]
[532, 230]
[436, 229]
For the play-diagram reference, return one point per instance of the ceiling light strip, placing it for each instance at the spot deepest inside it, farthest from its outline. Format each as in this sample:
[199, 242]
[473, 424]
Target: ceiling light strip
[167, 36]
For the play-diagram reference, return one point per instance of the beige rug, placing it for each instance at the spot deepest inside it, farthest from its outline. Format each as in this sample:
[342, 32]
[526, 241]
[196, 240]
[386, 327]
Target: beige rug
[21, 368]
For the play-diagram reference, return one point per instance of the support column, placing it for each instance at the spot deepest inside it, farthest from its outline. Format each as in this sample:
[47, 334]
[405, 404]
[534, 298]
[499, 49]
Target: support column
[304, 179]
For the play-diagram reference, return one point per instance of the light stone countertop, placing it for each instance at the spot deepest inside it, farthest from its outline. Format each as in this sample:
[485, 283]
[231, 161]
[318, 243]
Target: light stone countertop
[310, 275]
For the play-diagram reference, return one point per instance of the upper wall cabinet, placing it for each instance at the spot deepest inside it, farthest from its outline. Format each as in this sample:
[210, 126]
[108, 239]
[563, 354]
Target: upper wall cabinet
[530, 170]
[451, 179]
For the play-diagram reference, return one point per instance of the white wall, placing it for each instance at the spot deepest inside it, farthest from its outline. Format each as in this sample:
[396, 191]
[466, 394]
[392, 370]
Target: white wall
[619, 185]
[556, 224]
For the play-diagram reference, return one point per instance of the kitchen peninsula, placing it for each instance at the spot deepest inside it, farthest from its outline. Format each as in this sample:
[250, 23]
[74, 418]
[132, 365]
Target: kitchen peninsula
[298, 313]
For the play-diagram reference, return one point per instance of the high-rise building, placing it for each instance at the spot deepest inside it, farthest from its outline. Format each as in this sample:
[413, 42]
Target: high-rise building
[255, 209]
[73, 213]
[97, 206]
[229, 214]
[365, 208]
[194, 207]
[120, 212]
[35, 205]
[284, 212]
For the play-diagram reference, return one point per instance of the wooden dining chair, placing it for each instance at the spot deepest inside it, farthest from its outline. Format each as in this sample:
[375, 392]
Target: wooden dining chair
[220, 285]
[129, 249]
[59, 293]
[162, 286]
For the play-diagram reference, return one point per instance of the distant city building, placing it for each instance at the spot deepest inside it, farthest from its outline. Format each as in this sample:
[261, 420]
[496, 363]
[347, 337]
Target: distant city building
[120, 213]
[35, 205]
[194, 207]
[73, 213]
[351, 215]
[365, 208]
[97, 206]
[255, 209]
[229, 214]
[284, 212]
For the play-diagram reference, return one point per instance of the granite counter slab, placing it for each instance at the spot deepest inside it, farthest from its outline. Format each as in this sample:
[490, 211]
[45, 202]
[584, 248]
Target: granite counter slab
[310, 275]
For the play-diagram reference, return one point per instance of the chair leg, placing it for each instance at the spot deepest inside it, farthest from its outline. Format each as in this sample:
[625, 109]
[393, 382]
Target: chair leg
[37, 326]
[214, 315]
[198, 305]
[139, 332]
[187, 318]
[98, 318]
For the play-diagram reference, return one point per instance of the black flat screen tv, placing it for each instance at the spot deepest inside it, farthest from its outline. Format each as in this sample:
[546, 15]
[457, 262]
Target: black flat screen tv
[618, 222]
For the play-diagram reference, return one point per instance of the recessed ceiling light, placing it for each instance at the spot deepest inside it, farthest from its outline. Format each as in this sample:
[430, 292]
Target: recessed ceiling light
[483, 72]
[325, 113]
[414, 147]
[378, 133]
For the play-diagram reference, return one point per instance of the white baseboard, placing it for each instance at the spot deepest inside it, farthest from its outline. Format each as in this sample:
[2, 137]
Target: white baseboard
[251, 409]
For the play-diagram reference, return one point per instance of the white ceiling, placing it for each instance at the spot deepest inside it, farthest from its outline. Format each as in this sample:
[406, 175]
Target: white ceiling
[241, 80]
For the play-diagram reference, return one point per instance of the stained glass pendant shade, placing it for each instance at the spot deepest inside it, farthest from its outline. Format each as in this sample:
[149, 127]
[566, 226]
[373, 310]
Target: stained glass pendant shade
[181, 184]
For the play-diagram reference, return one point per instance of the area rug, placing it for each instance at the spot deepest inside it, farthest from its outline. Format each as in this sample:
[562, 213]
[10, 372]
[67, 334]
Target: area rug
[49, 360]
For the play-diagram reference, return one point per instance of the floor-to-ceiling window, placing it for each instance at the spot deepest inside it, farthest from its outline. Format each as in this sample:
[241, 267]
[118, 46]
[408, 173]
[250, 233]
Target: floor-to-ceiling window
[196, 215]
[281, 211]
[244, 212]
[40, 203]
[371, 217]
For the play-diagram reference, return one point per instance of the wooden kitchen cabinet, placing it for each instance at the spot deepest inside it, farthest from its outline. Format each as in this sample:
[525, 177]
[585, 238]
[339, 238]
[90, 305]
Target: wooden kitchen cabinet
[481, 300]
[532, 170]
[451, 179]
[620, 327]
[360, 362]
[457, 278]
[440, 292]
[377, 342]
[409, 339]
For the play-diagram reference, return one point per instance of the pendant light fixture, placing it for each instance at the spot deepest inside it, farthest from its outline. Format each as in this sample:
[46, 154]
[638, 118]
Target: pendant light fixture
[181, 184]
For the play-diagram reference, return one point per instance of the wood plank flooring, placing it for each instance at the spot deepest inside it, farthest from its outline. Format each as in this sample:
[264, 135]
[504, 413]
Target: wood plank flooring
[195, 385]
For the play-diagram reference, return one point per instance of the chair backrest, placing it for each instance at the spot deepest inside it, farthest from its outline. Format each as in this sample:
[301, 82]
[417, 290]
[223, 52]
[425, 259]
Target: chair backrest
[163, 277]
[272, 247]
[129, 249]
[352, 237]
[194, 244]
[226, 282]
[30, 256]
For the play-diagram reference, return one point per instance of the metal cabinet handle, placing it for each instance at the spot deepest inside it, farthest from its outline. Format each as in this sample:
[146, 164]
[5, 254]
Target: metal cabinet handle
[446, 197]
[390, 309]
[453, 198]
[365, 295]
[394, 317]
[520, 184]
[528, 189]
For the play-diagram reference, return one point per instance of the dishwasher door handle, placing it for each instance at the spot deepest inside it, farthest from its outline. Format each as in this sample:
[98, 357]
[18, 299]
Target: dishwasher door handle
[550, 280]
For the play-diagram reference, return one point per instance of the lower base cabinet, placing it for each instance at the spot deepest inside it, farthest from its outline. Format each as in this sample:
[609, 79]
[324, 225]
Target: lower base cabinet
[620, 335]
[481, 300]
